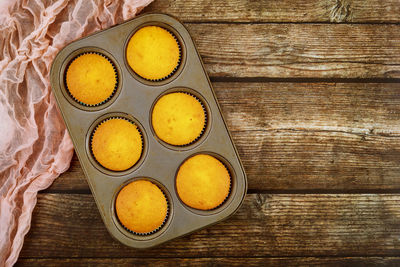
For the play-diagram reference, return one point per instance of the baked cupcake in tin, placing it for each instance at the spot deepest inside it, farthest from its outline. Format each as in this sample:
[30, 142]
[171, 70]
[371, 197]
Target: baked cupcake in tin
[91, 79]
[203, 182]
[178, 118]
[141, 207]
[117, 144]
[153, 53]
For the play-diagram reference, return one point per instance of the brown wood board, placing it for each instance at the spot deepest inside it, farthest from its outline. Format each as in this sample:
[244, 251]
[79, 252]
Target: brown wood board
[356, 11]
[311, 92]
[299, 50]
[306, 136]
[69, 225]
[272, 261]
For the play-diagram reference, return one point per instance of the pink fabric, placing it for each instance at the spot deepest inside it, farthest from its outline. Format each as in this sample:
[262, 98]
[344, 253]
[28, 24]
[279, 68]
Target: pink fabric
[34, 144]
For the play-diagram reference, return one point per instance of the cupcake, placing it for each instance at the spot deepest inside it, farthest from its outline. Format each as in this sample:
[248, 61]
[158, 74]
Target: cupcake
[178, 118]
[203, 182]
[141, 207]
[91, 79]
[153, 53]
[117, 144]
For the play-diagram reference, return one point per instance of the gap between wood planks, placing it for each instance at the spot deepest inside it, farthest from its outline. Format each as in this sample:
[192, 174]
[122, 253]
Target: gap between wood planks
[303, 80]
[262, 191]
[288, 22]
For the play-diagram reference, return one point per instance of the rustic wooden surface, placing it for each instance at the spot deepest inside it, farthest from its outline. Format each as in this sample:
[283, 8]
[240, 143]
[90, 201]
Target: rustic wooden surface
[311, 93]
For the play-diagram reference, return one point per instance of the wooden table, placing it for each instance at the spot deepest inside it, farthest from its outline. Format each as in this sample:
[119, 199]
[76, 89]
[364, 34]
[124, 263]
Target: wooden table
[314, 109]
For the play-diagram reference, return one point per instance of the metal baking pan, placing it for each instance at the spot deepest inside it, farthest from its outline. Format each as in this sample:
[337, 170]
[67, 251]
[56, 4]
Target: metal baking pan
[134, 100]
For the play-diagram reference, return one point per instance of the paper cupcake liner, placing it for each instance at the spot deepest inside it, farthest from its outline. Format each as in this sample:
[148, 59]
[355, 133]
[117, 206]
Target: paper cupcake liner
[155, 230]
[177, 65]
[104, 101]
[205, 119]
[229, 191]
[103, 121]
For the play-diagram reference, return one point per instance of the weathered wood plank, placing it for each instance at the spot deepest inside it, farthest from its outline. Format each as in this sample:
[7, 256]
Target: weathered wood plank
[359, 11]
[299, 50]
[72, 180]
[276, 225]
[311, 136]
[336, 261]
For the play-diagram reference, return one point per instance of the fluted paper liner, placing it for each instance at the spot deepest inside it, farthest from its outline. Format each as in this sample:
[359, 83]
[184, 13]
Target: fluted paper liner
[111, 118]
[104, 101]
[155, 230]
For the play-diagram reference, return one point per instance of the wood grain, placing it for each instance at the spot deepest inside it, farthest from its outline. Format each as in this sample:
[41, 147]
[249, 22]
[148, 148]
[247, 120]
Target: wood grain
[295, 261]
[306, 136]
[292, 137]
[275, 225]
[299, 50]
[370, 11]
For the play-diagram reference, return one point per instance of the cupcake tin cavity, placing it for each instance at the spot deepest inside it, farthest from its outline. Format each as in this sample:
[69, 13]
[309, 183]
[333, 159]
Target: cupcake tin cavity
[134, 99]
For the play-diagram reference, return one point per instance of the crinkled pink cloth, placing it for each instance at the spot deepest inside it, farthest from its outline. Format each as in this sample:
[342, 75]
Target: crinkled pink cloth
[34, 144]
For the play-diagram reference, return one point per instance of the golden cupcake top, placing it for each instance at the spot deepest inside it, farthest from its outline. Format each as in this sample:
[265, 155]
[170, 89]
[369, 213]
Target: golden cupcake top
[117, 144]
[91, 79]
[178, 118]
[203, 182]
[141, 207]
[153, 53]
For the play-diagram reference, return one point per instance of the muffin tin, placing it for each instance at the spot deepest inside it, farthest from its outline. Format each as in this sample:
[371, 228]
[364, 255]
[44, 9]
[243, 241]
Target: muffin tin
[134, 99]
